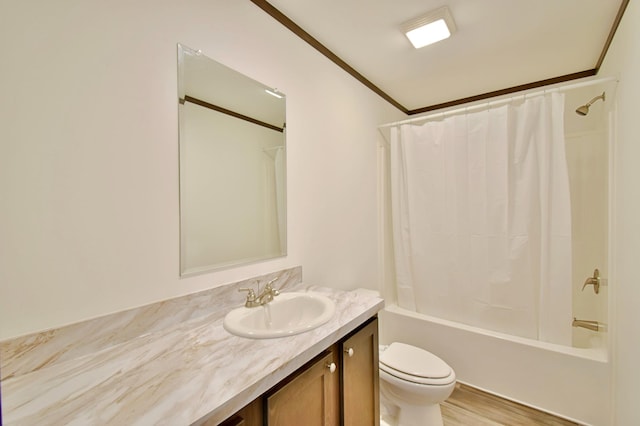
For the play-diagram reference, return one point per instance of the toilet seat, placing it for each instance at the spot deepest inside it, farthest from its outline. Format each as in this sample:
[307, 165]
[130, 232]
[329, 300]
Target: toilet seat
[415, 365]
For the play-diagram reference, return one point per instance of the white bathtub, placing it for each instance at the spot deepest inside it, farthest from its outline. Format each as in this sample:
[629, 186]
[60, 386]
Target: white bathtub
[569, 382]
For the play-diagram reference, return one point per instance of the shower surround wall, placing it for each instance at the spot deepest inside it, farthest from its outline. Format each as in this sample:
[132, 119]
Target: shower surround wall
[588, 147]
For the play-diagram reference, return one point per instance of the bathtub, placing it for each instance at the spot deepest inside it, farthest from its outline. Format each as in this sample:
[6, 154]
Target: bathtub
[573, 383]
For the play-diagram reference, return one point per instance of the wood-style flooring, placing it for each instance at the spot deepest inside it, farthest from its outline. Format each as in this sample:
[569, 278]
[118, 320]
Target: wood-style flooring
[468, 406]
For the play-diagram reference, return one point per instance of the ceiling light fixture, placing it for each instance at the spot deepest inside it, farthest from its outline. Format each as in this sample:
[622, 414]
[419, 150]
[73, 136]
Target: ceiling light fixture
[430, 28]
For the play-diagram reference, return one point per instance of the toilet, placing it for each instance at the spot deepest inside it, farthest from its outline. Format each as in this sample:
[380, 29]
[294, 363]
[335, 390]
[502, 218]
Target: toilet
[414, 382]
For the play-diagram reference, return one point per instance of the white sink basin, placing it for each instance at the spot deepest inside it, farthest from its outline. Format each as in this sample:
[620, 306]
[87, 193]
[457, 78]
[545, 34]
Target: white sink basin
[288, 314]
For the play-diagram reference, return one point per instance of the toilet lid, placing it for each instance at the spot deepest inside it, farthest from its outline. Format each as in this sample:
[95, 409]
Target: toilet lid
[414, 361]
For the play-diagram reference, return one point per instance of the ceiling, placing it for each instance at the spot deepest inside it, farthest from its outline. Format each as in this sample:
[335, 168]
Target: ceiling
[499, 45]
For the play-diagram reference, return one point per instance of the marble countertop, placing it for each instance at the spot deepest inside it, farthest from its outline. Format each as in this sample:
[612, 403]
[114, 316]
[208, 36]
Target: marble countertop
[177, 374]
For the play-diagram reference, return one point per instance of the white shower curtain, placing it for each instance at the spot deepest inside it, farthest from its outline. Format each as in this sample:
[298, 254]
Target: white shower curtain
[481, 219]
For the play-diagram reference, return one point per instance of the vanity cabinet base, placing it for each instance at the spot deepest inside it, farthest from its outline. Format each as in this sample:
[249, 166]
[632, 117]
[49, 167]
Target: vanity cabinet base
[338, 387]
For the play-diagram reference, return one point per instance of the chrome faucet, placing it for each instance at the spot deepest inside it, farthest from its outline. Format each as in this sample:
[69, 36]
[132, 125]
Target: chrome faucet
[267, 295]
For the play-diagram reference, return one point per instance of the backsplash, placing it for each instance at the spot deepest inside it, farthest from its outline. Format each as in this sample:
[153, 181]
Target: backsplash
[29, 353]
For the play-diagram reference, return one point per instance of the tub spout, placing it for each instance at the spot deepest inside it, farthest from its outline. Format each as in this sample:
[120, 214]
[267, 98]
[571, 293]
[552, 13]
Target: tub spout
[591, 325]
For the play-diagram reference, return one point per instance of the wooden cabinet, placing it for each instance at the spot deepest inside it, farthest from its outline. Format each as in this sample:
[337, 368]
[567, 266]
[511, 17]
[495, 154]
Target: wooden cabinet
[250, 415]
[319, 394]
[359, 369]
[310, 398]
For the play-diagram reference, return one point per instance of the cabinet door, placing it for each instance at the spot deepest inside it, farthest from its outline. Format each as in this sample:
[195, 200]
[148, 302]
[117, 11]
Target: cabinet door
[360, 392]
[251, 415]
[311, 398]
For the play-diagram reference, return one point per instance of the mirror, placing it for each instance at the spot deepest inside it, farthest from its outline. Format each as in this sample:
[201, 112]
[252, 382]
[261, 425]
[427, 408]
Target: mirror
[232, 166]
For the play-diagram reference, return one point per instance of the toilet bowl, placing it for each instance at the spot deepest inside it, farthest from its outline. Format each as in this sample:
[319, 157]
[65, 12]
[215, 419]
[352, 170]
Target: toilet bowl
[414, 382]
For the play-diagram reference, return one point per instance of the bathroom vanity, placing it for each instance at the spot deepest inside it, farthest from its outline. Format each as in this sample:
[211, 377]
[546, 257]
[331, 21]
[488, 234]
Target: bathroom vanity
[339, 386]
[173, 363]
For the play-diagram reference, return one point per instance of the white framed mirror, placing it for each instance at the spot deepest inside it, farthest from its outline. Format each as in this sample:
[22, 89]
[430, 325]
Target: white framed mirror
[232, 166]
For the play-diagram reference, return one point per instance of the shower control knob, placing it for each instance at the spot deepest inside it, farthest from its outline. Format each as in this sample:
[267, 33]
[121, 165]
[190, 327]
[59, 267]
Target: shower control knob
[332, 367]
[349, 351]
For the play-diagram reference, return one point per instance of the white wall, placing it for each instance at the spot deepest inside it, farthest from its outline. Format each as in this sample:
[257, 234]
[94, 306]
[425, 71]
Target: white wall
[623, 60]
[89, 154]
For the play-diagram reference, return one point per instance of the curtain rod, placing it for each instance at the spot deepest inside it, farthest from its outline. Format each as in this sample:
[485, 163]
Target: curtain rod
[500, 101]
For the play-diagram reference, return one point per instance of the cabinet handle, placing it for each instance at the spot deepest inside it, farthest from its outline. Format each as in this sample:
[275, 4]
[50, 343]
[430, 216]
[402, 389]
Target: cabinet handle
[349, 351]
[332, 367]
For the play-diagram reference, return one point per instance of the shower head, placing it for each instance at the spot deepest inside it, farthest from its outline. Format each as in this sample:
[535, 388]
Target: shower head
[584, 109]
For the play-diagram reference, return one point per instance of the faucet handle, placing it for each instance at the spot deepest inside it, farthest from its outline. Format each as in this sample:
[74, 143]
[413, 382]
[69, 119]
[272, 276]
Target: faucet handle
[594, 281]
[251, 295]
[268, 288]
